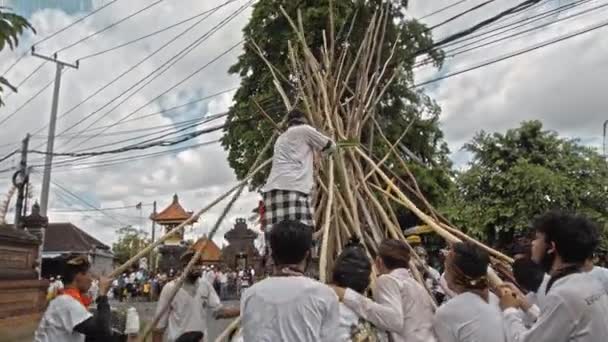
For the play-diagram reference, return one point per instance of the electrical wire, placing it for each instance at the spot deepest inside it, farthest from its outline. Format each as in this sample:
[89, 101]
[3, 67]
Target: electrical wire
[443, 9]
[472, 9]
[181, 139]
[59, 186]
[170, 41]
[109, 26]
[458, 50]
[168, 90]
[26, 78]
[95, 54]
[172, 61]
[56, 33]
[518, 53]
[59, 210]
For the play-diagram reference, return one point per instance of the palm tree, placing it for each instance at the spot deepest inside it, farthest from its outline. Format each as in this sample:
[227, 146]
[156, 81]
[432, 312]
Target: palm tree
[11, 27]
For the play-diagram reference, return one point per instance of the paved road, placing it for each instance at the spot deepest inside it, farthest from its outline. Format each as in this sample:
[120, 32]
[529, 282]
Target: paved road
[146, 313]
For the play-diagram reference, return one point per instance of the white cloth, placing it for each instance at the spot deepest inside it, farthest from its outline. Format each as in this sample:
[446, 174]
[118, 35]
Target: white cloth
[348, 318]
[574, 310]
[601, 274]
[223, 278]
[402, 307]
[290, 309]
[188, 310]
[292, 162]
[63, 314]
[468, 318]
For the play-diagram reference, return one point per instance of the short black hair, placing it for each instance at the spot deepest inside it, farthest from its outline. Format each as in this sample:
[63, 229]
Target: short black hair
[528, 274]
[470, 259]
[352, 267]
[575, 237]
[394, 254]
[295, 117]
[190, 336]
[72, 265]
[290, 241]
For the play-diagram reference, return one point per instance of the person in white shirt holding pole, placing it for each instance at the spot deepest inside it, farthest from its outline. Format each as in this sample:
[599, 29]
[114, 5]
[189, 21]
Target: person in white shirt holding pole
[575, 306]
[473, 314]
[402, 306]
[288, 306]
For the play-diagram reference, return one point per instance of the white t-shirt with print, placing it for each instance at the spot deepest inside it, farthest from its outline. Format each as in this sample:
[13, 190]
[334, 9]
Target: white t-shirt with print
[63, 314]
[188, 310]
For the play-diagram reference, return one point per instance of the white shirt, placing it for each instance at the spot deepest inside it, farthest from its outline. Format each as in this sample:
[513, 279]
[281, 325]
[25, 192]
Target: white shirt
[292, 162]
[601, 274]
[188, 310]
[63, 314]
[468, 318]
[574, 310]
[348, 318]
[294, 309]
[402, 307]
[223, 278]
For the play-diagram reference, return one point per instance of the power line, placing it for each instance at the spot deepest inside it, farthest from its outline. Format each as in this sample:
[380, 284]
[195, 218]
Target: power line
[457, 50]
[168, 90]
[181, 139]
[172, 61]
[95, 54]
[172, 130]
[443, 9]
[463, 33]
[102, 209]
[71, 165]
[170, 41]
[529, 19]
[472, 9]
[27, 78]
[110, 26]
[518, 53]
[85, 202]
[28, 101]
[56, 33]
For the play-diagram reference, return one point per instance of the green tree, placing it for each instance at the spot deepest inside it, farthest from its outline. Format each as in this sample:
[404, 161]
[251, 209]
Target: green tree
[11, 27]
[526, 172]
[247, 131]
[130, 241]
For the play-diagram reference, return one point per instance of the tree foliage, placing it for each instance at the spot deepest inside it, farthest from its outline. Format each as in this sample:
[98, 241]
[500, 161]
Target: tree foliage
[12, 27]
[526, 172]
[130, 241]
[247, 130]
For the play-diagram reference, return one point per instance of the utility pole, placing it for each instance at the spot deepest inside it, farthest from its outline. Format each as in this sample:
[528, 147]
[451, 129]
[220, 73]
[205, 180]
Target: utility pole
[48, 158]
[604, 141]
[20, 179]
[152, 263]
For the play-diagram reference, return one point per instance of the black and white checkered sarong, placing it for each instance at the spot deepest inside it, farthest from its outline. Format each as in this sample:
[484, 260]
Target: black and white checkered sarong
[284, 205]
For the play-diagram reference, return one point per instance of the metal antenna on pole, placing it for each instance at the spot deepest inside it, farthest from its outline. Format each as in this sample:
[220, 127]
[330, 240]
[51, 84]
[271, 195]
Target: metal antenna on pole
[48, 158]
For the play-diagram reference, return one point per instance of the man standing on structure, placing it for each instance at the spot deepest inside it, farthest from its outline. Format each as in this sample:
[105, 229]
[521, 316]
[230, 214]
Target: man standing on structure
[287, 193]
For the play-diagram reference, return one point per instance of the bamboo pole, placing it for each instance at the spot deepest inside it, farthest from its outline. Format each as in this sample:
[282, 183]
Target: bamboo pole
[231, 327]
[325, 237]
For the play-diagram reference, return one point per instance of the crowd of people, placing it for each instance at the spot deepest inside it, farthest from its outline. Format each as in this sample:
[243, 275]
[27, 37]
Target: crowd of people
[558, 293]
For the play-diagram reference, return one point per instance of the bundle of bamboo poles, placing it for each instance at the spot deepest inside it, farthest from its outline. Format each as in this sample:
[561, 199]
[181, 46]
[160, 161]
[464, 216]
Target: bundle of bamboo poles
[339, 88]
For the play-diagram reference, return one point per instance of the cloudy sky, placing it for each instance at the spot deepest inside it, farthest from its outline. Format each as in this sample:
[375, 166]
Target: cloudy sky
[561, 84]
